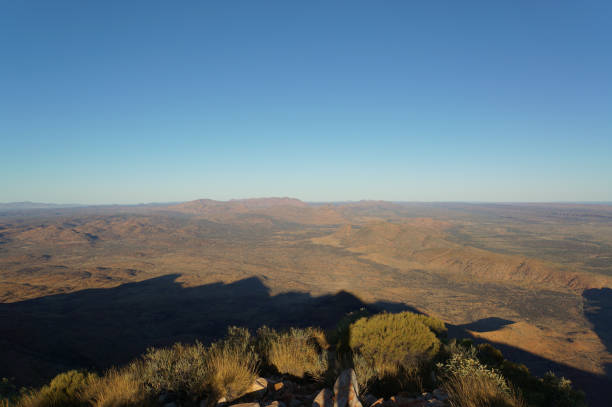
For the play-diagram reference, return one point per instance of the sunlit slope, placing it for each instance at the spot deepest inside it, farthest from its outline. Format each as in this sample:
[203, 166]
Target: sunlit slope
[423, 244]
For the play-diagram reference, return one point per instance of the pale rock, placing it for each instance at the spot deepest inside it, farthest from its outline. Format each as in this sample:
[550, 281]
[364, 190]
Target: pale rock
[275, 403]
[258, 388]
[325, 398]
[378, 403]
[255, 404]
[346, 390]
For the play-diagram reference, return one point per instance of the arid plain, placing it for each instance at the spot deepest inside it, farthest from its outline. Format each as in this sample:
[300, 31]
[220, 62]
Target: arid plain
[94, 286]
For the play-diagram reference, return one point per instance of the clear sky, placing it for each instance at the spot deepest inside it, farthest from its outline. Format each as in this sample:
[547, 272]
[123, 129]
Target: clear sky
[142, 101]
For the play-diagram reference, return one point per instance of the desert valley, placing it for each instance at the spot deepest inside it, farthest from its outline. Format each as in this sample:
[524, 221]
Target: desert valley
[91, 287]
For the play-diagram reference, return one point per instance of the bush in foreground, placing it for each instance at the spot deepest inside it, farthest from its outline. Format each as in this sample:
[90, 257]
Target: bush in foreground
[297, 352]
[117, 388]
[180, 369]
[391, 339]
[479, 391]
[230, 366]
[398, 348]
[63, 391]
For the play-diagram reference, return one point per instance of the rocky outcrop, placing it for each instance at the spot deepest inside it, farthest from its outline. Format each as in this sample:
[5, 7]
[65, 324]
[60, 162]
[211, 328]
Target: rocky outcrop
[278, 392]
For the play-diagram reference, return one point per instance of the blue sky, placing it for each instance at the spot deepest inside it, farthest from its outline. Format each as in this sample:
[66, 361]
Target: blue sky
[142, 101]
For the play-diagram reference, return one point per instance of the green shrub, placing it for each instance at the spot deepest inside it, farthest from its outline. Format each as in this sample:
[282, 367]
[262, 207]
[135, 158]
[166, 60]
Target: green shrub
[63, 391]
[297, 352]
[394, 352]
[389, 340]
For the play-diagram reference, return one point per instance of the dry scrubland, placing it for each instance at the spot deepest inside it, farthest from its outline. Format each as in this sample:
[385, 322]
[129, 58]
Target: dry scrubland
[405, 357]
[92, 287]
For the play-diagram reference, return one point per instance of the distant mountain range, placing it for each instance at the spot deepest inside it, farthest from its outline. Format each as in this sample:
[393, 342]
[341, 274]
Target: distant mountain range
[35, 205]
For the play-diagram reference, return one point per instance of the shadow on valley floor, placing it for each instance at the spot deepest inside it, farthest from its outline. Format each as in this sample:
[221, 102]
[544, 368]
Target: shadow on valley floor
[598, 310]
[97, 328]
[598, 388]
[487, 324]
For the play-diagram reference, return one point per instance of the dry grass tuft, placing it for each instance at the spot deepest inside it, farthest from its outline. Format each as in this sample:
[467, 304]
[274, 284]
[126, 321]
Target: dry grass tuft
[118, 388]
[230, 371]
[479, 391]
[296, 352]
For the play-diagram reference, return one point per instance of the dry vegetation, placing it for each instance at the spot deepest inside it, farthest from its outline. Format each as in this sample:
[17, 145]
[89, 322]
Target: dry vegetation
[225, 370]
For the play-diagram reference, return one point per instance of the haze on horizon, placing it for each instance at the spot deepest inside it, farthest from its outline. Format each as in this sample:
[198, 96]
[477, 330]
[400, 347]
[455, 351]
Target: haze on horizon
[158, 102]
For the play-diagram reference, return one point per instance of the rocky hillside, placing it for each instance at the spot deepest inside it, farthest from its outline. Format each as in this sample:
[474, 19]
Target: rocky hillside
[380, 360]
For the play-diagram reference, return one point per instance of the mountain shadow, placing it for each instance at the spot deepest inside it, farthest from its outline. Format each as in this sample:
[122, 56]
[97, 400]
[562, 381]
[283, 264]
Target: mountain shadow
[598, 310]
[98, 328]
[598, 388]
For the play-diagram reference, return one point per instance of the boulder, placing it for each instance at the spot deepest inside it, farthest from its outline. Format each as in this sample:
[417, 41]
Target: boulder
[346, 390]
[246, 405]
[325, 398]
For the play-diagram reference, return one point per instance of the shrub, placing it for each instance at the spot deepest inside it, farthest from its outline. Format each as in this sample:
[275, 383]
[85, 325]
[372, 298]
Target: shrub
[64, 390]
[117, 388]
[180, 369]
[438, 327]
[231, 367]
[398, 348]
[462, 364]
[558, 392]
[548, 391]
[479, 390]
[489, 355]
[392, 340]
[340, 336]
[226, 369]
[296, 352]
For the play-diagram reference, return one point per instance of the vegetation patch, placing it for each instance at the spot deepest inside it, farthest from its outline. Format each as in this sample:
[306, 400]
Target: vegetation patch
[297, 352]
[391, 354]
